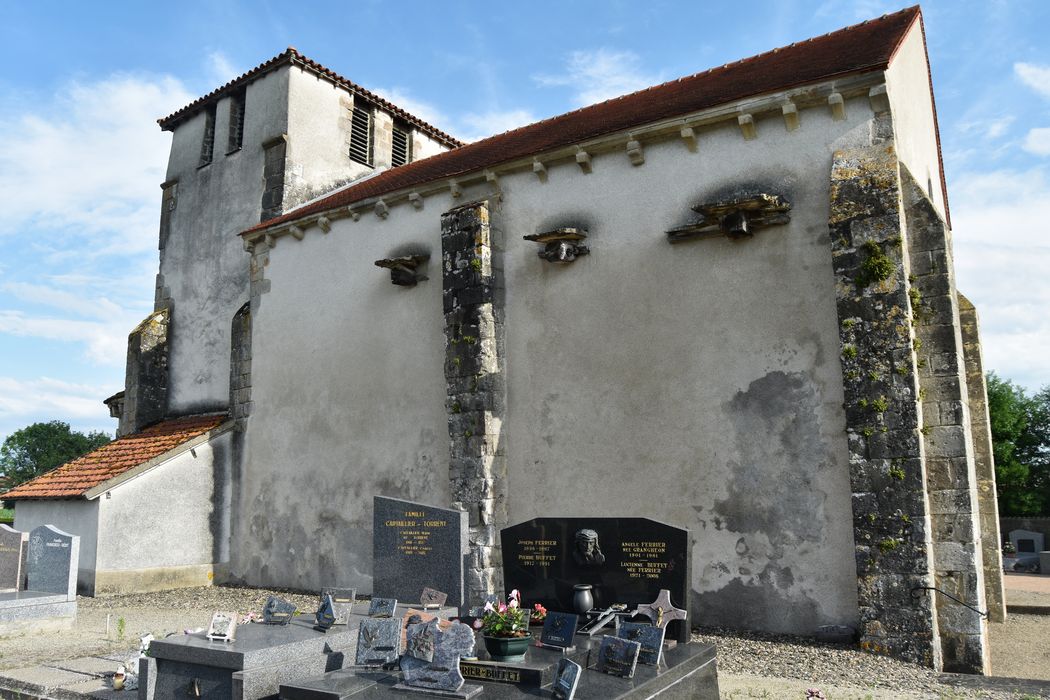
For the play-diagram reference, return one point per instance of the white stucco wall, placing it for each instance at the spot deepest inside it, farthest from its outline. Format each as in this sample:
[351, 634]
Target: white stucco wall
[348, 393]
[203, 263]
[172, 516]
[74, 516]
[914, 129]
[697, 384]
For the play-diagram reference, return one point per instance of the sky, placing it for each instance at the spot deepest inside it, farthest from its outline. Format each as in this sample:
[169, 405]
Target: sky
[82, 84]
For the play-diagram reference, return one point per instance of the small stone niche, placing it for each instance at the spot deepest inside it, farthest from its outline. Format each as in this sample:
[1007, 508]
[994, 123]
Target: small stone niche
[736, 218]
[562, 245]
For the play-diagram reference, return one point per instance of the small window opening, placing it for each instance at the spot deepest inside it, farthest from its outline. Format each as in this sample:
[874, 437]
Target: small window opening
[236, 136]
[401, 151]
[208, 142]
[361, 135]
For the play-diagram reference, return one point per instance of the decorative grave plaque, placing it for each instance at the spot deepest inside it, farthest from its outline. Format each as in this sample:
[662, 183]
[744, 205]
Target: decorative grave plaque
[661, 611]
[343, 600]
[378, 642]
[278, 611]
[12, 557]
[382, 607]
[417, 546]
[223, 627]
[442, 672]
[565, 679]
[421, 638]
[51, 561]
[618, 657]
[432, 598]
[325, 616]
[558, 629]
[416, 617]
[626, 560]
[649, 636]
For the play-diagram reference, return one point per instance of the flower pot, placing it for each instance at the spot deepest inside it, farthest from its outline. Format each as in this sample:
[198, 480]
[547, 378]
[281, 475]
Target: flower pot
[507, 648]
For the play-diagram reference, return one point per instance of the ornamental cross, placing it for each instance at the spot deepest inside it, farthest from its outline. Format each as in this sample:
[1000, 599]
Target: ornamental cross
[661, 611]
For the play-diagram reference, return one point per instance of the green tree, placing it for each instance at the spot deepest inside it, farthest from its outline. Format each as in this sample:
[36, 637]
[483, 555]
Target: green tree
[1021, 446]
[41, 447]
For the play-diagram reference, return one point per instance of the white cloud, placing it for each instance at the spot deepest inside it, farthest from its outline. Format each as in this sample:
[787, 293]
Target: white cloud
[26, 401]
[1038, 142]
[601, 74]
[1034, 76]
[220, 70]
[988, 128]
[416, 107]
[478, 126]
[1002, 253]
[105, 341]
[89, 162]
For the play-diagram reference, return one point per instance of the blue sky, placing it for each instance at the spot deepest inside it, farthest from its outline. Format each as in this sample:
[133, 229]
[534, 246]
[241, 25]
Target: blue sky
[81, 85]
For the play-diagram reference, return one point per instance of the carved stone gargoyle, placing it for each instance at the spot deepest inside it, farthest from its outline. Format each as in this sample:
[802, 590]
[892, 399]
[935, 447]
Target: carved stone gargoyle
[735, 218]
[562, 245]
[403, 270]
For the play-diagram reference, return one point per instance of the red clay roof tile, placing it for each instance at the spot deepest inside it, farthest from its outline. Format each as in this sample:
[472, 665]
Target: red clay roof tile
[74, 479]
[292, 56]
[860, 48]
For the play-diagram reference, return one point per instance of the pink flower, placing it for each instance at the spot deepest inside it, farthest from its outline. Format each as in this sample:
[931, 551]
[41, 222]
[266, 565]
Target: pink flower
[477, 624]
[488, 607]
[502, 607]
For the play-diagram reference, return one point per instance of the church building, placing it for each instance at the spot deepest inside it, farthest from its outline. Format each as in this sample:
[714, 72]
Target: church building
[726, 302]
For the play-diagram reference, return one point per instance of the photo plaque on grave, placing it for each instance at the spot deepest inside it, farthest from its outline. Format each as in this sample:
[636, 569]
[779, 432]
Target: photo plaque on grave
[618, 657]
[566, 678]
[343, 600]
[416, 546]
[278, 611]
[649, 636]
[382, 607]
[625, 560]
[223, 627]
[378, 641]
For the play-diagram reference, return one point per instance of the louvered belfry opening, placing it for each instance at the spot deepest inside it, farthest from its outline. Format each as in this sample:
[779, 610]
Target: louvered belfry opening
[401, 148]
[361, 135]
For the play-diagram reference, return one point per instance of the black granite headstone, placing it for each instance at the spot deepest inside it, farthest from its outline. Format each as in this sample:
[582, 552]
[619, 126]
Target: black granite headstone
[626, 560]
[416, 546]
[12, 558]
[618, 657]
[559, 629]
[51, 561]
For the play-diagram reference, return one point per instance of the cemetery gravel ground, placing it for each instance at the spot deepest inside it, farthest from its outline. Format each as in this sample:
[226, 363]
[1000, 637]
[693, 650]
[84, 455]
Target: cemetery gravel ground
[751, 665]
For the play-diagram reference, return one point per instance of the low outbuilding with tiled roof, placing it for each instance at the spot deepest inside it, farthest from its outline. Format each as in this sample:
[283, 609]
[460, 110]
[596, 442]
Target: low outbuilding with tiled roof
[143, 506]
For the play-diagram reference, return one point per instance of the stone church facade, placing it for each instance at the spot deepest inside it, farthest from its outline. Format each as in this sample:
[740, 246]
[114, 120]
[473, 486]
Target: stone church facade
[726, 302]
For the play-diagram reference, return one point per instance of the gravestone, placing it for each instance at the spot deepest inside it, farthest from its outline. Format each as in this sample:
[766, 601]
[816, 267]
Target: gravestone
[1027, 540]
[51, 561]
[446, 646]
[649, 636]
[12, 558]
[416, 546]
[618, 657]
[626, 560]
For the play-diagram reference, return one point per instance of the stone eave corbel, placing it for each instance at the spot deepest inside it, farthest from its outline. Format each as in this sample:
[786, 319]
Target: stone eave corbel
[404, 270]
[735, 218]
[562, 245]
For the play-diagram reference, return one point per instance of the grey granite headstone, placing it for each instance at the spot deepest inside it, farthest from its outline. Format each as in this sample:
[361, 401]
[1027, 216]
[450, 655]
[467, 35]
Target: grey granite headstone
[618, 657]
[559, 629]
[278, 611]
[649, 636]
[12, 557]
[416, 546]
[382, 607]
[342, 601]
[442, 672]
[1027, 540]
[566, 679]
[51, 561]
[378, 641]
